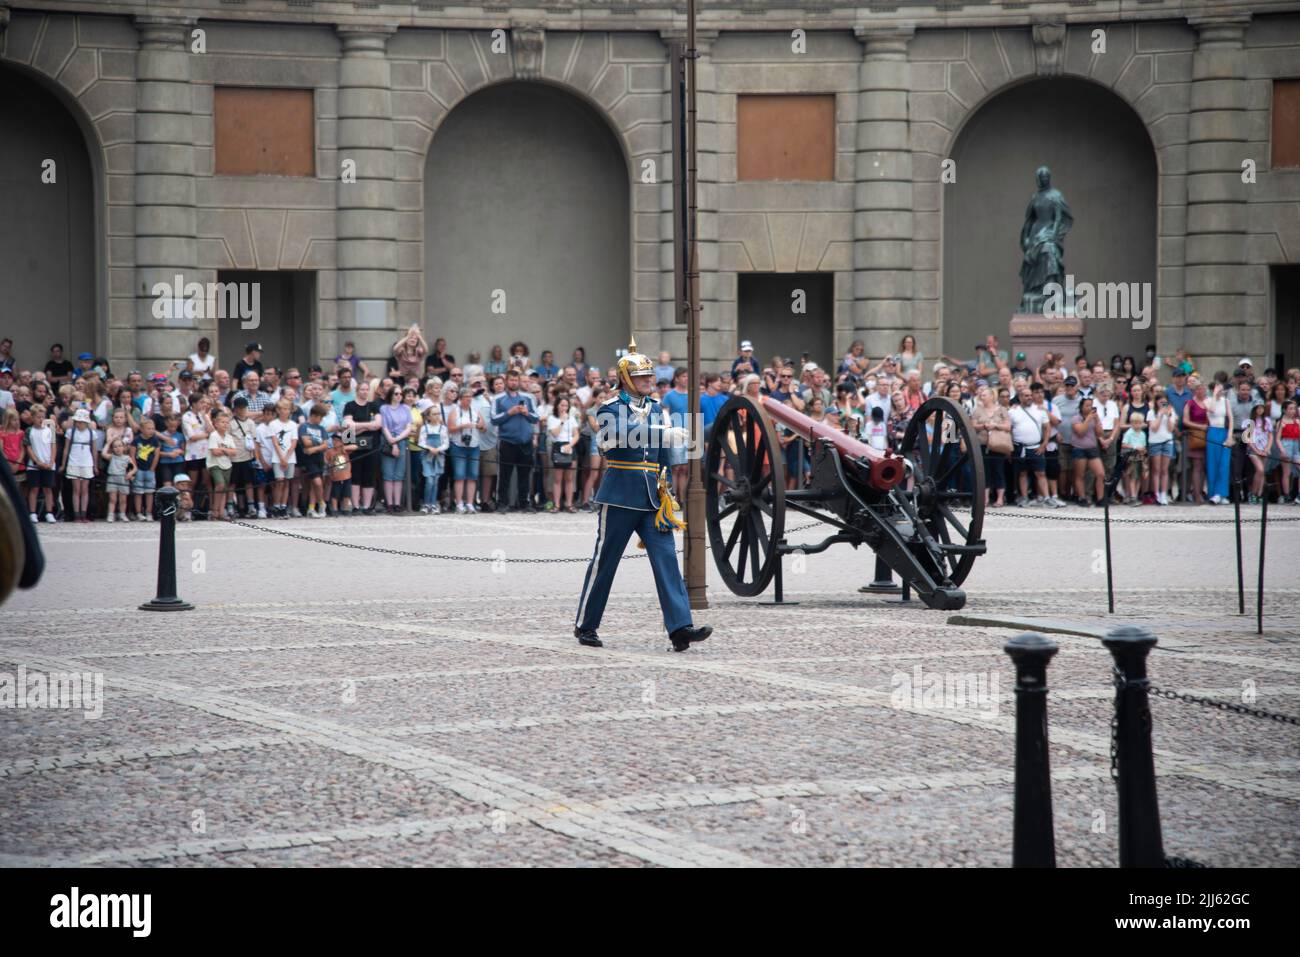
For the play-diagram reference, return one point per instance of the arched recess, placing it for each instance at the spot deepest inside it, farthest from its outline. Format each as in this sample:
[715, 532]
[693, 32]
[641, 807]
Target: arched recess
[1102, 159]
[51, 273]
[526, 196]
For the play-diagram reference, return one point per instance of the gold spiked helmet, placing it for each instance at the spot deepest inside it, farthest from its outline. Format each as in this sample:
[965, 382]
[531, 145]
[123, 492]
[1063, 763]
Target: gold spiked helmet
[633, 364]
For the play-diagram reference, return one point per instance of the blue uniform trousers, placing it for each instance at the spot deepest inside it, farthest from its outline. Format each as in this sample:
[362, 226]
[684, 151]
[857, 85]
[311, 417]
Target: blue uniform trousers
[617, 525]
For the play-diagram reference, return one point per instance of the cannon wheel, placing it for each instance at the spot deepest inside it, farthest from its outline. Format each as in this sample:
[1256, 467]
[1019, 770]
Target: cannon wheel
[744, 477]
[933, 466]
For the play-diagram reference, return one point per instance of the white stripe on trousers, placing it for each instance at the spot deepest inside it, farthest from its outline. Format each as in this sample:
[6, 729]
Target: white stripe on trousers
[592, 568]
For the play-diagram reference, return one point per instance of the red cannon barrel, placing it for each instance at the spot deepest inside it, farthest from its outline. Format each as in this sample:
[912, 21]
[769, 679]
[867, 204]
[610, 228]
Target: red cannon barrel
[884, 469]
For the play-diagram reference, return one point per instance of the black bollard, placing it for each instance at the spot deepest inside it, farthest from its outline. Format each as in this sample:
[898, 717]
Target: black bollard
[166, 599]
[883, 583]
[1033, 843]
[1140, 844]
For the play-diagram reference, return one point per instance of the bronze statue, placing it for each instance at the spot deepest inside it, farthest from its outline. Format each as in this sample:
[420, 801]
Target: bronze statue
[1042, 238]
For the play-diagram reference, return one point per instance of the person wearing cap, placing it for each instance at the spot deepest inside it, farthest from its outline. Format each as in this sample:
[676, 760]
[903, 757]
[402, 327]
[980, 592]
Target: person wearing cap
[1066, 406]
[85, 364]
[745, 362]
[252, 361]
[635, 496]
[1021, 367]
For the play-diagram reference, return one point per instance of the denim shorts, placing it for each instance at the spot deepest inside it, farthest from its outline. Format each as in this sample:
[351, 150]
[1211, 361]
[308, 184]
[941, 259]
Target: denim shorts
[1162, 448]
[1083, 455]
[464, 462]
[1290, 450]
[144, 481]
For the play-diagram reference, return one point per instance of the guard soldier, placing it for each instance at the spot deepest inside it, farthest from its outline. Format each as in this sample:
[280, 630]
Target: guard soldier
[635, 496]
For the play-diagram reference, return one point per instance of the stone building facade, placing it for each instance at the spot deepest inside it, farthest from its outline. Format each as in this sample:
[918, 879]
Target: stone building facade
[499, 173]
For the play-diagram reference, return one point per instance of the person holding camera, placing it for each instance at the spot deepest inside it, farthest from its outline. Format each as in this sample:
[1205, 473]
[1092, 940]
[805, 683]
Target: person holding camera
[465, 426]
[1085, 452]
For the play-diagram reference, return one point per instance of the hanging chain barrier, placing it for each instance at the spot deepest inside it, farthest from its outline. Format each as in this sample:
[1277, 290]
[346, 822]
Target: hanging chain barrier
[446, 558]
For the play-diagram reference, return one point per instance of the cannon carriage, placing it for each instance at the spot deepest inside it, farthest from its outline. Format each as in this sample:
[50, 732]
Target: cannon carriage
[903, 505]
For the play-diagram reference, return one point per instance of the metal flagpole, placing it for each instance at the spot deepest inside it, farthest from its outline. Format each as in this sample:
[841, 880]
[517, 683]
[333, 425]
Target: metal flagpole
[696, 588]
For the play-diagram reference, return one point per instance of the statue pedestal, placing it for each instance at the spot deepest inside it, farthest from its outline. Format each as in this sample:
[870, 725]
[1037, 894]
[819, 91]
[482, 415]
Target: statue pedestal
[1036, 335]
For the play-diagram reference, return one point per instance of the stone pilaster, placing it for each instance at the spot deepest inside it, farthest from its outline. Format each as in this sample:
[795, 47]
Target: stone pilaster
[882, 222]
[366, 217]
[1216, 275]
[165, 219]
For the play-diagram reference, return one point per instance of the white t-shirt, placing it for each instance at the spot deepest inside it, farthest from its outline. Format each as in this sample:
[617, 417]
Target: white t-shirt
[568, 427]
[433, 438]
[196, 441]
[266, 441]
[462, 416]
[202, 365]
[41, 441]
[1217, 410]
[1159, 426]
[1027, 424]
[285, 434]
[218, 444]
[1107, 412]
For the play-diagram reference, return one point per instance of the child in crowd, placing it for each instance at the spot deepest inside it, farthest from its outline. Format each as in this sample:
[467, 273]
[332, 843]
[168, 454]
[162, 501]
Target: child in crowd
[41, 474]
[433, 440]
[283, 432]
[312, 443]
[1257, 436]
[121, 470]
[263, 459]
[184, 500]
[79, 462]
[221, 444]
[148, 450]
[171, 456]
[340, 469]
[1135, 447]
[1287, 437]
[11, 436]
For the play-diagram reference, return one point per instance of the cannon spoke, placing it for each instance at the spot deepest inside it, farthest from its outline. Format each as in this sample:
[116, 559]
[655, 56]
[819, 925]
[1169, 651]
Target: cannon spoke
[727, 510]
[736, 528]
[755, 530]
[742, 523]
[719, 477]
[936, 443]
[955, 463]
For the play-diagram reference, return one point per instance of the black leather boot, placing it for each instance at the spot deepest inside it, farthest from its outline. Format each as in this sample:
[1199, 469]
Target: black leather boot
[683, 637]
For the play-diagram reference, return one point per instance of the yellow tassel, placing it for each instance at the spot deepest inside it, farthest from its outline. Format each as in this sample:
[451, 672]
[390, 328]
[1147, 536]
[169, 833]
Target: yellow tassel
[666, 518]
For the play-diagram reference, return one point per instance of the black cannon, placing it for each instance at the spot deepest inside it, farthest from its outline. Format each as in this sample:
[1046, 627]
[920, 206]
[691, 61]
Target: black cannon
[903, 505]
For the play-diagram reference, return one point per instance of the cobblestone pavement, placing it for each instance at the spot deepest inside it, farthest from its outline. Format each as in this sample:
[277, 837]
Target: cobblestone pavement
[327, 706]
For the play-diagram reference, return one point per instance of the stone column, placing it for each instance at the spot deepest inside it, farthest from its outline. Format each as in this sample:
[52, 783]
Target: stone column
[165, 220]
[367, 221]
[1216, 302]
[882, 222]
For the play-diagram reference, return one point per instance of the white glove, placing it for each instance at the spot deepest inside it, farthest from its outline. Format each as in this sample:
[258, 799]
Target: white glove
[677, 437]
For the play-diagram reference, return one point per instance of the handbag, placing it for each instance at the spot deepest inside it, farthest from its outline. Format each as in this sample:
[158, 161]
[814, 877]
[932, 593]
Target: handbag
[366, 441]
[560, 458]
[1195, 440]
[999, 442]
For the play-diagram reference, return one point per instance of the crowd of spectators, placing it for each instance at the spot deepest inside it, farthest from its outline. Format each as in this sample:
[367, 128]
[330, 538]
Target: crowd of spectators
[431, 433]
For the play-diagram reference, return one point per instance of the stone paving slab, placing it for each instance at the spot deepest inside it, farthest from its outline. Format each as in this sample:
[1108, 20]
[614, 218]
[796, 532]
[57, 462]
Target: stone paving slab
[480, 734]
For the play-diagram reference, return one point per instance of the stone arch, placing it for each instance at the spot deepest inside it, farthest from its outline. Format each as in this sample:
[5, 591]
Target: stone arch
[88, 67]
[1105, 160]
[560, 175]
[52, 275]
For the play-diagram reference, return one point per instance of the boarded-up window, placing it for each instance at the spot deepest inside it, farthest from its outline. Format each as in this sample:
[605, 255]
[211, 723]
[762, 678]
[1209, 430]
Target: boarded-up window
[785, 137]
[264, 132]
[1286, 123]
